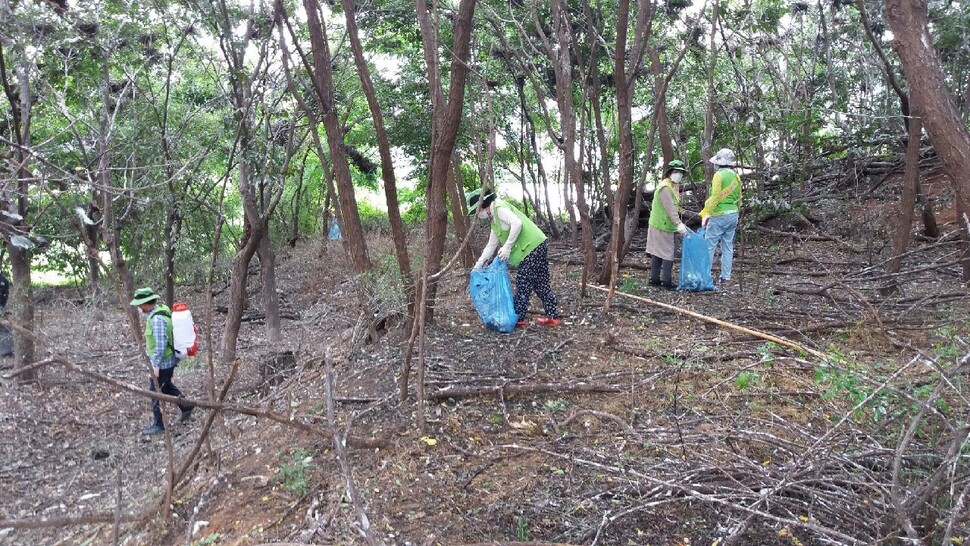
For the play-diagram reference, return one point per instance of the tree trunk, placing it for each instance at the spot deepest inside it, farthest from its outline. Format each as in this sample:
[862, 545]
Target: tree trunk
[384, 149]
[171, 237]
[625, 77]
[21, 302]
[927, 87]
[322, 78]
[706, 144]
[930, 228]
[445, 120]
[22, 308]
[459, 215]
[562, 64]
[661, 121]
[904, 219]
[271, 300]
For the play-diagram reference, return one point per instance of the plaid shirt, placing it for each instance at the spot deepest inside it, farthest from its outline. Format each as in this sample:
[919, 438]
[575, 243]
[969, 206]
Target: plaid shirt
[161, 343]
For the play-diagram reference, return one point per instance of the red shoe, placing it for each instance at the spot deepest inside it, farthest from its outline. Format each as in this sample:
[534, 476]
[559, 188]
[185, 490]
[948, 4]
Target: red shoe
[521, 324]
[546, 321]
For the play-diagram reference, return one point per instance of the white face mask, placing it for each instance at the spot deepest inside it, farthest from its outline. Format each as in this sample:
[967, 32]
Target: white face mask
[482, 215]
[676, 176]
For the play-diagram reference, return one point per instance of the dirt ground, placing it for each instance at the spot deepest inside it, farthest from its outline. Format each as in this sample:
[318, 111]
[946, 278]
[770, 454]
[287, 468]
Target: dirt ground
[640, 427]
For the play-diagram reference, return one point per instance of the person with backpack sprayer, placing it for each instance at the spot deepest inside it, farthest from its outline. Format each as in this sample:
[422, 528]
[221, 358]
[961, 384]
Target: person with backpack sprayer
[720, 213]
[159, 346]
[523, 247]
[664, 223]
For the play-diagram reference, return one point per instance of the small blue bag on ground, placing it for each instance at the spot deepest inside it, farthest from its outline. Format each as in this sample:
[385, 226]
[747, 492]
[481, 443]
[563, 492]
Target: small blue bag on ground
[695, 264]
[491, 291]
[334, 234]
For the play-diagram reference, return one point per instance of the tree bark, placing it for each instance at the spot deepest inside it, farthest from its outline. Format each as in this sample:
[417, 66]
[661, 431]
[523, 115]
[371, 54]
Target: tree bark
[384, 149]
[21, 302]
[625, 77]
[445, 120]
[904, 219]
[459, 215]
[927, 87]
[271, 301]
[323, 83]
[562, 65]
[706, 144]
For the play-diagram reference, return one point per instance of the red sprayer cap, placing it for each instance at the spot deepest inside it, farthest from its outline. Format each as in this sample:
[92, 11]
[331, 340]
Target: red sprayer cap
[180, 306]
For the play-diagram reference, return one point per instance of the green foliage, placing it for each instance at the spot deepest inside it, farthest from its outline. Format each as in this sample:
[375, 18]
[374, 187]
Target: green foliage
[384, 280]
[372, 218]
[293, 469]
[630, 285]
[522, 529]
[560, 404]
[746, 380]
[208, 540]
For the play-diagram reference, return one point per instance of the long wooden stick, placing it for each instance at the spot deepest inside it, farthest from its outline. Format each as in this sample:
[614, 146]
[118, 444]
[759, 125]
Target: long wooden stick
[735, 327]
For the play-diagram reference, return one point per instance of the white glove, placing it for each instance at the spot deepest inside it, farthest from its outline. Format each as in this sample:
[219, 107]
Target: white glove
[503, 253]
[479, 264]
[681, 229]
[705, 220]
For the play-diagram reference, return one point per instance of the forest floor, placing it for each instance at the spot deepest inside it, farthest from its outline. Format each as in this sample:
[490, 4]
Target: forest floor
[640, 427]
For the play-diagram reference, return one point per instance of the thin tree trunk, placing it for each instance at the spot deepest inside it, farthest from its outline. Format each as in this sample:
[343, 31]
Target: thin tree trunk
[21, 301]
[706, 144]
[625, 77]
[271, 301]
[384, 149]
[904, 219]
[927, 87]
[446, 119]
[458, 215]
[562, 64]
[352, 231]
[930, 227]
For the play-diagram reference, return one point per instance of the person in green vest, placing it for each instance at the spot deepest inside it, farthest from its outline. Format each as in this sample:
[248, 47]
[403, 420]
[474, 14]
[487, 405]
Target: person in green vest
[159, 346]
[664, 223]
[720, 213]
[523, 246]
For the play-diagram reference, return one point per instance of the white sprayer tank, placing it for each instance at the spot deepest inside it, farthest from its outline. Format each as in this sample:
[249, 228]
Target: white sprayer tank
[183, 330]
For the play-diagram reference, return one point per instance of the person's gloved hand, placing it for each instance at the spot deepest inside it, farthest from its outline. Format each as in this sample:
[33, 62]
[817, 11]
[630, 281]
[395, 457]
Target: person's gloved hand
[681, 229]
[705, 220]
[503, 253]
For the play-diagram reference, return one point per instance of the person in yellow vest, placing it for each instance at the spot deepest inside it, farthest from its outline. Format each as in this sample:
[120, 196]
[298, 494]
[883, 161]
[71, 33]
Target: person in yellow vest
[523, 247]
[720, 213]
[159, 339]
[664, 223]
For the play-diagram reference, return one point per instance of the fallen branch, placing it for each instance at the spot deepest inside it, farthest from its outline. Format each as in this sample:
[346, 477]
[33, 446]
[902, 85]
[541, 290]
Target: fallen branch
[527, 388]
[809, 237]
[735, 327]
[288, 420]
[67, 521]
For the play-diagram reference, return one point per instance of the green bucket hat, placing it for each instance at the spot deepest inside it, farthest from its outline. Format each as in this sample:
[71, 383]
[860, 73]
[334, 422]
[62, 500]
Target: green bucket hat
[144, 295]
[475, 198]
[676, 165]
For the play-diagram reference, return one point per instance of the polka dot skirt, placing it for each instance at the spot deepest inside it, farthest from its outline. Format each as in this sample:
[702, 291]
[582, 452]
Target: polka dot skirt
[532, 275]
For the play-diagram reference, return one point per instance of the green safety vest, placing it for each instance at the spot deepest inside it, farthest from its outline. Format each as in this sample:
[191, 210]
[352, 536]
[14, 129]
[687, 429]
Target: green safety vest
[160, 309]
[658, 215]
[529, 238]
[729, 197]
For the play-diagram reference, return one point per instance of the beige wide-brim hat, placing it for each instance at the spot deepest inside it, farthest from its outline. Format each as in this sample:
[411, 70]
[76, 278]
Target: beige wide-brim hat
[724, 158]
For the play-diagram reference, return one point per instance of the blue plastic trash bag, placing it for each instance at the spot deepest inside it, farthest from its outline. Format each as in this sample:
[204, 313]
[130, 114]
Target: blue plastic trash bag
[695, 264]
[491, 292]
[334, 234]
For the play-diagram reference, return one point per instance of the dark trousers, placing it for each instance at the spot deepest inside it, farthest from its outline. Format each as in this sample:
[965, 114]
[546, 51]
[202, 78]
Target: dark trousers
[660, 268]
[532, 275]
[167, 387]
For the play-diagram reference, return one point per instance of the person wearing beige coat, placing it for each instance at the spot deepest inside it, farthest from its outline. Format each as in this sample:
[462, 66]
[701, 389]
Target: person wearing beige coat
[665, 223]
